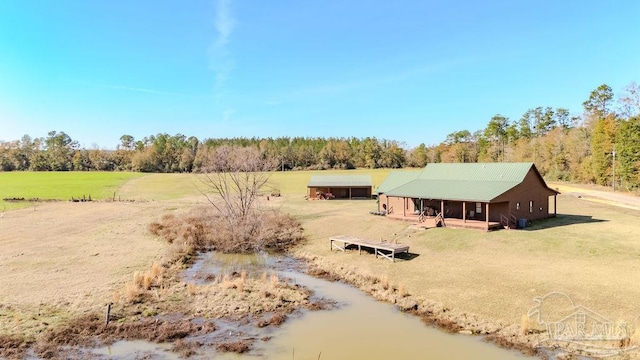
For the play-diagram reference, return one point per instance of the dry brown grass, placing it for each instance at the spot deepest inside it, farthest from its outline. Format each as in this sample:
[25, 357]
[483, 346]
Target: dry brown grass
[402, 290]
[273, 281]
[201, 230]
[71, 257]
[192, 289]
[240, 346]
[143, 281]
[384, 280]
[85, 330]
[635, 337]
[276, 319]
[526, 324]
[13, 346]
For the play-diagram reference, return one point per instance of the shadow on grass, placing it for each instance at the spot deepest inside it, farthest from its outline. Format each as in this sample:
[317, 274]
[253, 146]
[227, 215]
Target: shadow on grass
[561, 220]
[405, 256]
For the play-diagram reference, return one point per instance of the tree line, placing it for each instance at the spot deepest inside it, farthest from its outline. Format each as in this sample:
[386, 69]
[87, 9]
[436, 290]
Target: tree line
[177, 153]
[564, 146]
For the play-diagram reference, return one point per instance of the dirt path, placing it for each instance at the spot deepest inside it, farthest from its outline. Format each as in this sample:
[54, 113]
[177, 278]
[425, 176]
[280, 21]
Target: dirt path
[586, 192]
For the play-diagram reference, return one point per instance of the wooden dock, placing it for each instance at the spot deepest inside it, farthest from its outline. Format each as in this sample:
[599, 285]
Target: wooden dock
[385, 249]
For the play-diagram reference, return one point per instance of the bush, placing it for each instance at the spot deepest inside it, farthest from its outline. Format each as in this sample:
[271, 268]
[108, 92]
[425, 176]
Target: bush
[203, 230]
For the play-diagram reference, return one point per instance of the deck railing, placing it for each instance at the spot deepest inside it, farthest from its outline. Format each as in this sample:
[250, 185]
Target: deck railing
[508, 221]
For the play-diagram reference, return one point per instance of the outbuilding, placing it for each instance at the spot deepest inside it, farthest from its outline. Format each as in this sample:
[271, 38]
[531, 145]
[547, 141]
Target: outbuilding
[340, 187]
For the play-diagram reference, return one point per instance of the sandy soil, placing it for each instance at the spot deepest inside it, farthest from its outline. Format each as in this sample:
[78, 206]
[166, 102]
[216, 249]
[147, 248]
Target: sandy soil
[70, 256]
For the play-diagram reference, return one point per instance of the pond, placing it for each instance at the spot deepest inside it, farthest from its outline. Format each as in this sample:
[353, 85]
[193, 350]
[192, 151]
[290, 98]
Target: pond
[359, 328]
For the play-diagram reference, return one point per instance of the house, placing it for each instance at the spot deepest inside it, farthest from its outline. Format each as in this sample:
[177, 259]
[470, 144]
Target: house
[340, 186]
[485, 195]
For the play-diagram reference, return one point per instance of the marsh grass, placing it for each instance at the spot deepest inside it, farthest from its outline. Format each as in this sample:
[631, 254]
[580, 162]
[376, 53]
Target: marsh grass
[384, 281]
[142, 282]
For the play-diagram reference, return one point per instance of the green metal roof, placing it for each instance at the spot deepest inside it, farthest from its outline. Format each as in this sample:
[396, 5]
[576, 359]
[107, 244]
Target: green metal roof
[397, 178]
[340, 181]
[453, 190]
[480, 172]
[481, 182]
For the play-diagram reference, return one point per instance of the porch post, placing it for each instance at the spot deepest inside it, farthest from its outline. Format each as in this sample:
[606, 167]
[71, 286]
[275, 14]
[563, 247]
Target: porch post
[442, 208]
[487, 215]
[349, 193]
[404, 206]
[464, 211]
[555, 200]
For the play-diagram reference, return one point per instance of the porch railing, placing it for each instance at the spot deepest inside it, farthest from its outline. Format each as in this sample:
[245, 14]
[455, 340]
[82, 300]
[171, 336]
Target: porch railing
[508, 221]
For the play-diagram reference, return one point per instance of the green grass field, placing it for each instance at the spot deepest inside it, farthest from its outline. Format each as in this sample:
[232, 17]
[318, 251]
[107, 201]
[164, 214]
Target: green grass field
[590, 251]
[102, 185]
[59, 185]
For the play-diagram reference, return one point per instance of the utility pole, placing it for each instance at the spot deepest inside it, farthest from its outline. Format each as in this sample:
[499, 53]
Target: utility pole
[614, 168]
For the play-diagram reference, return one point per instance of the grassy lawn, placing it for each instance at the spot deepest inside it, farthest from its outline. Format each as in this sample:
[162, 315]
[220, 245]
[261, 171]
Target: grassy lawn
[59, 185]
[591, 251]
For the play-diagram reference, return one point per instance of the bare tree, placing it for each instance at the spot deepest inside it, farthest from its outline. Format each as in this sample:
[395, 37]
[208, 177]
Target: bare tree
[630, 100]
[234, 177]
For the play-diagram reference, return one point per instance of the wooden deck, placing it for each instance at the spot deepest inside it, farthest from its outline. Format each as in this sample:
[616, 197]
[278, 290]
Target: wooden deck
[385, 249]
[429, 222]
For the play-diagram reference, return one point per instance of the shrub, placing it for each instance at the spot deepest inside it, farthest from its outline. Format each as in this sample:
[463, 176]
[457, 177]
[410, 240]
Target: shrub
[203, 230]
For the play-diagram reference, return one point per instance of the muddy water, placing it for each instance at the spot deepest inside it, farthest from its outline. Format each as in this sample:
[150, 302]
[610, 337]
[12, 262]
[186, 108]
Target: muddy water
[367, 329]
[136, 349]
[359, 328]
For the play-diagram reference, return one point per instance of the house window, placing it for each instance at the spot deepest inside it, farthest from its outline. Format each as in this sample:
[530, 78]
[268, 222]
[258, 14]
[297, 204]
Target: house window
[518, 206]
[478, 208]
[531, 206]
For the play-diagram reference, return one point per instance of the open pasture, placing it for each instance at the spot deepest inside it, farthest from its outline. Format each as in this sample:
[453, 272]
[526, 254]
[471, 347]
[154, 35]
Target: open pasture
[75, 255]
[59, 185]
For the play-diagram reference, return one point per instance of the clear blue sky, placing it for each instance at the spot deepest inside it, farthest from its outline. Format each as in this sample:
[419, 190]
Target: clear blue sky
[411, 71]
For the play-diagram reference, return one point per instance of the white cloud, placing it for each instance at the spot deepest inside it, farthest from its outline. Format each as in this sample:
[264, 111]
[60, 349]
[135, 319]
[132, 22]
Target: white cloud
[220, 60]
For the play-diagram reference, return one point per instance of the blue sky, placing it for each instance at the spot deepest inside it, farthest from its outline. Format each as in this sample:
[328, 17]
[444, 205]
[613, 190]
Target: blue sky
[411, 71]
